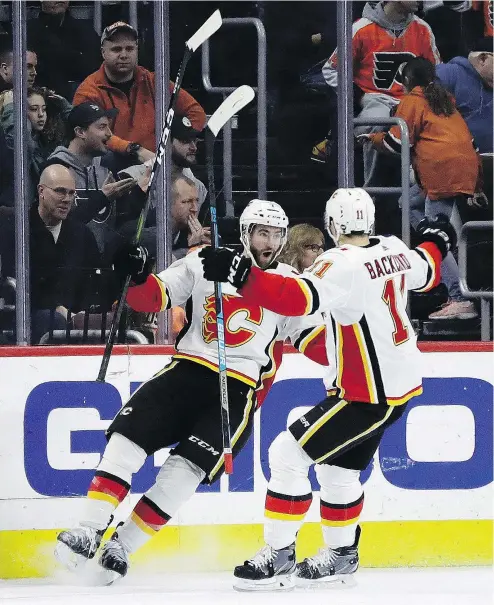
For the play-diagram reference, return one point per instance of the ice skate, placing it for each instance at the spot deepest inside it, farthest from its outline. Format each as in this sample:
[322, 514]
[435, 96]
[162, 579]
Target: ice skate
[330, 565]
[114, 560]
[269, 569]
[74, 547]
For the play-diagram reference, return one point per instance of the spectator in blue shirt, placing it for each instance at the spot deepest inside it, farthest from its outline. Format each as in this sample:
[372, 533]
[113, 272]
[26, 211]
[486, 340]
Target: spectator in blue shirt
[470, 82]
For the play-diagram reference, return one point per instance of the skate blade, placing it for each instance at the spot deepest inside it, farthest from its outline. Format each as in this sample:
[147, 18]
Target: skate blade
[331, 582]
[68, 558]
[105, 577]
[284, 582]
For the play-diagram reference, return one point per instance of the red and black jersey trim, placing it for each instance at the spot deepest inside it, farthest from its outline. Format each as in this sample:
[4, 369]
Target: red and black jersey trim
[429, 268]
[376, 370]
[315, 295]
[303, 335]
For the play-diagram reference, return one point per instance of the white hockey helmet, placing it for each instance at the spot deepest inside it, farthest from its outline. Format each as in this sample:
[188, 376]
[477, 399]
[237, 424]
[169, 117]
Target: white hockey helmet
[349, 210]
[262, 212]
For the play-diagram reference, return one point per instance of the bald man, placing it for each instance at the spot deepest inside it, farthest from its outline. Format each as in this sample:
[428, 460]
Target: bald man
[63, 253]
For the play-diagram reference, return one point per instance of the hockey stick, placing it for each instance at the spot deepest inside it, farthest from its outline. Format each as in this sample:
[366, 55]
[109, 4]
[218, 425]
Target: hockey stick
[238, 99]
[207, 29]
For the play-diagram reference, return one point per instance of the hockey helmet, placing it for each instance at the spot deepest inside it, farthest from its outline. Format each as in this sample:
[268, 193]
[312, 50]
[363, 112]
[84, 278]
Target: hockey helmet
[262, 212]
[349, 210]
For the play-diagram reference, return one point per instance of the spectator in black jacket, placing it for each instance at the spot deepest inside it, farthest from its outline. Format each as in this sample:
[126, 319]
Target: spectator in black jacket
[63, 252]
[7, 66]
[67, 48]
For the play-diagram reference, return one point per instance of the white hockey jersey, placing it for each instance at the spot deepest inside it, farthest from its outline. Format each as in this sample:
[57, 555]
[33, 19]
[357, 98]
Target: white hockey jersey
[250, 330]
[362, 294]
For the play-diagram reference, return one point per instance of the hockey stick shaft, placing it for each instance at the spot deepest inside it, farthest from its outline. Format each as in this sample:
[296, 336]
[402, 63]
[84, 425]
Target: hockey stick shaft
[220, 323]
[203, 33]
[235, 102]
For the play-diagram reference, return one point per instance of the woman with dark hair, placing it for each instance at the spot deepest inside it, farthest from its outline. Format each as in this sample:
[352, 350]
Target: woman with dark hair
[446, 164]
[47, 113]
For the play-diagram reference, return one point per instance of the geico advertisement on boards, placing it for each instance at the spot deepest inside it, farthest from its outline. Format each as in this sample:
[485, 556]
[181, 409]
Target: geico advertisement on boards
[436, 462]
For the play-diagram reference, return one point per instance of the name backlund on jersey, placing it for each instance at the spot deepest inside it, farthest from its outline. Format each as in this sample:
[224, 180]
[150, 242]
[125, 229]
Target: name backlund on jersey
[233, 307]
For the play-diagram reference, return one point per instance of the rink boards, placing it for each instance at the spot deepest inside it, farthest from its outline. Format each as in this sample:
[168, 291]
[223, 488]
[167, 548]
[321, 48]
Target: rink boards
[428, 491]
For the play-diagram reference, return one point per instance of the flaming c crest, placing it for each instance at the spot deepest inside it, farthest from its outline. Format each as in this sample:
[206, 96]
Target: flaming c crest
[231, 306]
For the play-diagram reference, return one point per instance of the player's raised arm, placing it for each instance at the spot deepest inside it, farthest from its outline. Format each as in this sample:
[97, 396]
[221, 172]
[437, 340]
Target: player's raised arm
[150, 292]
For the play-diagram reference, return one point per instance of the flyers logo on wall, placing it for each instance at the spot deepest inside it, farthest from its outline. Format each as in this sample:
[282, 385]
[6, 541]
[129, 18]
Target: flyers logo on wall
[235, 311]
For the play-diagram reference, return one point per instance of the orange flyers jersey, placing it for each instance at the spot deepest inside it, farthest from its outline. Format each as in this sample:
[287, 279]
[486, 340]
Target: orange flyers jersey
[251, 332]
[487, 8]
[378, 55]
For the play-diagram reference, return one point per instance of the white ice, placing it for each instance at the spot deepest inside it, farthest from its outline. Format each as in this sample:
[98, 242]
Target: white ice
[452, 586]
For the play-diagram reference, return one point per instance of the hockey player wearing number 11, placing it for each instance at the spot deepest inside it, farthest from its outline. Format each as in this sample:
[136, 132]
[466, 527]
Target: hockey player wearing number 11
[181, 403]
[361, 289]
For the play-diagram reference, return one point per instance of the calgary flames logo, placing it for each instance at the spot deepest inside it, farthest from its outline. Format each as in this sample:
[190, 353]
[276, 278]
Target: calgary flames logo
[233, 306]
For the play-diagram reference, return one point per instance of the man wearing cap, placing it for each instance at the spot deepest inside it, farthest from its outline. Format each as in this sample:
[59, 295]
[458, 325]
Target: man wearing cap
[96, 189]
[184, 149]
[123, 84]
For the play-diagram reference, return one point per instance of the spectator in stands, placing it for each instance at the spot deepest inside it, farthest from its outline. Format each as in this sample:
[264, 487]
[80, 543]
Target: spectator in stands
[47, 113]
[67, 48]
[184, 151]
[386, 36]
[96, 188]
[62, 253]
[305, 243]
[7, 68]
[187, 231]
[121, 83]
[470, 82]
[444, 159]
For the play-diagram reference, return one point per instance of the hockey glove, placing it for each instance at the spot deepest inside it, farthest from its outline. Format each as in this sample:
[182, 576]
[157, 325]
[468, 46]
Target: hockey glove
[133, 260]
[225, 265]
[439, 231]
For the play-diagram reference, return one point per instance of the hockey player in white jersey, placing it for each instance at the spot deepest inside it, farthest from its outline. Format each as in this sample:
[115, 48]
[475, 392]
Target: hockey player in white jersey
[181, 403]
[361, 288]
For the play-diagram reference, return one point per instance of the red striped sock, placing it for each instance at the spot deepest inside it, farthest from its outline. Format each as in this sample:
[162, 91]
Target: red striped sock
[286, 507]
[148, 516]
[108, 487]
[339, 515]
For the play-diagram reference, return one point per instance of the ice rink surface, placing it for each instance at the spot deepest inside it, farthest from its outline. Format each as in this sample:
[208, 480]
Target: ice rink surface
[452, 586]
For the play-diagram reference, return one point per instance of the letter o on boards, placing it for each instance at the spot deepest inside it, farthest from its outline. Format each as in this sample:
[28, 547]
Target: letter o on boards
[402, 471]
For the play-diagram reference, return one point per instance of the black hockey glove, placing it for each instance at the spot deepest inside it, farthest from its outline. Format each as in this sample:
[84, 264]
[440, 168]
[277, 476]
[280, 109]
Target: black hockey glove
[439, 231]
[133, 260]
[225, 265]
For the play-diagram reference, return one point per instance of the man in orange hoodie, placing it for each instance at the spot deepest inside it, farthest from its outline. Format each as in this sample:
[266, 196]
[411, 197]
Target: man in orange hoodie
[123, 84]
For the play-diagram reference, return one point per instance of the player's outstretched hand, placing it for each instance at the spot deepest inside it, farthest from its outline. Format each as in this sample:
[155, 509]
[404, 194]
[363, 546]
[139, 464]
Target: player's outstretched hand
[225, 265]
[439, 231]
[133, 260]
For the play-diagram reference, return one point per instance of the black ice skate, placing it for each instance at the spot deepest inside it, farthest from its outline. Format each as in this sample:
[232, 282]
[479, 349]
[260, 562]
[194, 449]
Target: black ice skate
[330, 565]
[269, 569]
[76, 546]
[114, 560]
